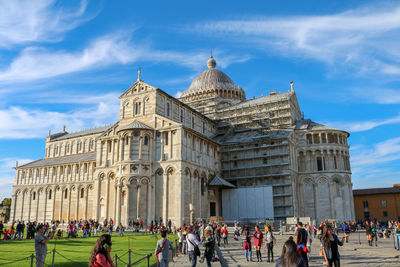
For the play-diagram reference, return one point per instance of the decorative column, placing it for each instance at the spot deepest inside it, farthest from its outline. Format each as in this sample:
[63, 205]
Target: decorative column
[45, 205]
[61, 203]
[107, 196]
[149, 201]
[130, 138]
[22, 206]
[29, 207]
[140, 146]
[315, 192]
[77, 203]
[128, 191]
[118, 197]
[69, 204]
[115, 201]
[162, 145]
[165, 197]
[138, 200]
[332, 202]
[86, 203]
[37, 205]
[121, 150]
[54, 203]
[13, 207]
[97, 198]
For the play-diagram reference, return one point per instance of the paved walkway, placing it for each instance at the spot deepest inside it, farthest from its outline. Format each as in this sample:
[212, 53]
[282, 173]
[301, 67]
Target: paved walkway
[352, 254]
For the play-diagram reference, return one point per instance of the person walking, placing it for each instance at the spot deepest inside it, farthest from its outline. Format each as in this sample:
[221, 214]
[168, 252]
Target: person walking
[309, 241]
[290, 256]
[368, 232]
[192, 244]
[162, 249]
[246, 237]
[269, 244]
[301, 240]
[224, 235]
[374, 234]
[209, 244]
[258, 240]
[330, 243]
[41, 245]
[100, 256]
[218, 234]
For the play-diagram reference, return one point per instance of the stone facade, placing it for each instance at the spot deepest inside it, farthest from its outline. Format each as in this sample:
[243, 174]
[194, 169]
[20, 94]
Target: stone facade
[160, 158]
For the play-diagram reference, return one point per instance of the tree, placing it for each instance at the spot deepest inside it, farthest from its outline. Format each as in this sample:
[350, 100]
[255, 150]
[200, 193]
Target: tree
[6, 202]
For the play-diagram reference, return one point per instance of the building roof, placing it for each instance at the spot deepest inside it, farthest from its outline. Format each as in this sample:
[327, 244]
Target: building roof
[211, 79]
[61, 160]
[311, 125]
[135, 125]
[80, 133]
[375, 191]
[218, 181]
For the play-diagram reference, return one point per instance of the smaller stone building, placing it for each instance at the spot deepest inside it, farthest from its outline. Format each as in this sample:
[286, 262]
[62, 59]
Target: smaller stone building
[377, 203]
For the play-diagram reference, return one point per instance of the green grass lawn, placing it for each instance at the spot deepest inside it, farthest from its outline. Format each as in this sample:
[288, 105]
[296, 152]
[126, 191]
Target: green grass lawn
[77, 250]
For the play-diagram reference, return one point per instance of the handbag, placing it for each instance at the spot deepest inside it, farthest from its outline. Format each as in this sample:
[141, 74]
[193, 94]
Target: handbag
[196, 247]
[158, 252]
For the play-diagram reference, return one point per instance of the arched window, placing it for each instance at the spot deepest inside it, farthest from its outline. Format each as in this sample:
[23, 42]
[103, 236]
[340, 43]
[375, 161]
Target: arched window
[66, 194]
[138, 107]
[146, 140]
[50, 194]
[168, 109]
[82, 192]
[34, 196]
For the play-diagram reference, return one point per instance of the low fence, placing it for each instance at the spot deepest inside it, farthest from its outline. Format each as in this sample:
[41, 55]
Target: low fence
[118, 261]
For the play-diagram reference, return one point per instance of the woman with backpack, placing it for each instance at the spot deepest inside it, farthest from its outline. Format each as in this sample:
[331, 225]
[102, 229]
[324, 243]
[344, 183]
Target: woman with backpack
[224, 234]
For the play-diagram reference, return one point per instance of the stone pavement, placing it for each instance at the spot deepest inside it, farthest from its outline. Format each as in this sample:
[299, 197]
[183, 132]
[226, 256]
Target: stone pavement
[352, 254]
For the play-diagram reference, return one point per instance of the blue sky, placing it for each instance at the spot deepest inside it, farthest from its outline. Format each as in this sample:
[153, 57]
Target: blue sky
[67, 62]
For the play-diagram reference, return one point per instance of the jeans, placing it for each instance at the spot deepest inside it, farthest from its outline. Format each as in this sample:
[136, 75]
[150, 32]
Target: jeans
[184, 250]
[247, 253]
[164, 263]
[270, 248]
[208, 263]
[95, 231]
[335, 262]
[397, 241]
[192, 258]
[121, 233]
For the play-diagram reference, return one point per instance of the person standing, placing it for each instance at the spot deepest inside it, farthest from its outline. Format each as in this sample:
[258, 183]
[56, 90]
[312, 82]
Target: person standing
[368, 232]
[1, 228]
[290, 256]
[246, 236]
[374, 234]
[100, 256]
[330, 243]
[269, 244]
[162, 249]
[192, 243]
[258, 240]
[41, 245]
[218, 235]
[301, 240]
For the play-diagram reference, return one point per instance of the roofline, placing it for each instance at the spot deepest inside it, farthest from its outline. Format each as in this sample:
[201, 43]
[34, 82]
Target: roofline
[187, 106]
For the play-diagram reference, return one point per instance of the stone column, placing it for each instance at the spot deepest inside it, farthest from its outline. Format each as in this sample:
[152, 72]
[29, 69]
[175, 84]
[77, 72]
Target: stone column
[45, 205]
[162, 146]
[54, 203]
[138, 200]
[149, 201]
[13, 207]
[37, 205]
[118, 197]
[332, 202]
[112, 152]
[22, 206]
[61, 203]
[128, 191]
[97, 198]
[121, 150]
[107, 198]
[130, 138]
[315, 192]
[165, 197]
[115, 201]
[78, 191]
[118, 141]
[86, 203]
[69, 204]
[140, 146]
[29, 207]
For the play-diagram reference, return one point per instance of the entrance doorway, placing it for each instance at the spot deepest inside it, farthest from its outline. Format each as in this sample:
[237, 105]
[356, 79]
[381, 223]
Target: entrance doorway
[213, 209]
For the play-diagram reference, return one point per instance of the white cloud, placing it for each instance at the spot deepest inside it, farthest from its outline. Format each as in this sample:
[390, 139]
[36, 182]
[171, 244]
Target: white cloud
[364, 38]
[360, 126]
[178, 94]
[380, 153]
[26, 21]
[36, 63]
[379, 96]
[18, 122]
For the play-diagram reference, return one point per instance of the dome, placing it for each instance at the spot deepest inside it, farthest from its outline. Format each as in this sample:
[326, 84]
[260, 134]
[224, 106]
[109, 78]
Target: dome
[213, 80]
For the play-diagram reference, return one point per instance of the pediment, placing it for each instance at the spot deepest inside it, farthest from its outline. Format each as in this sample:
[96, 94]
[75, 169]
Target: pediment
[138, 87]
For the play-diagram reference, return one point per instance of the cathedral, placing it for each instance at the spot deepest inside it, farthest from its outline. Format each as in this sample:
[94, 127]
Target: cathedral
[210, 153]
